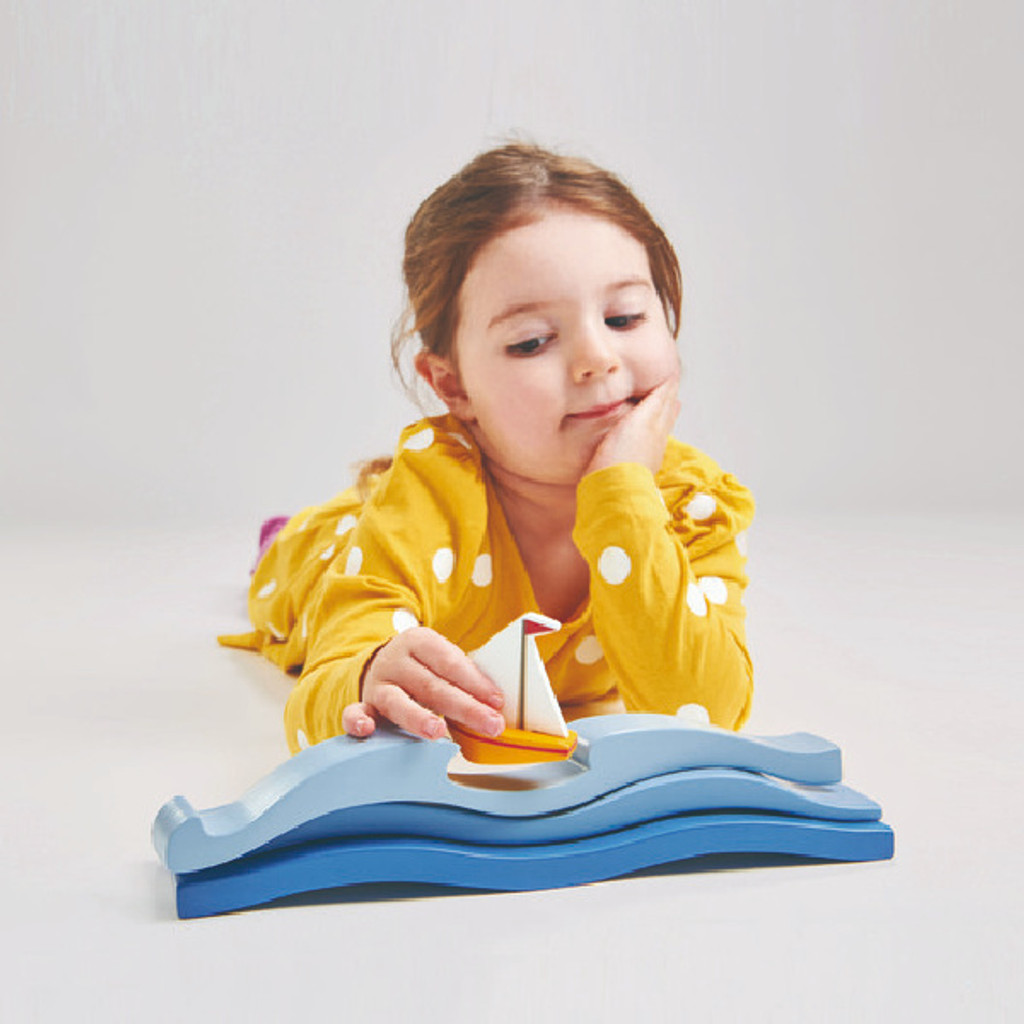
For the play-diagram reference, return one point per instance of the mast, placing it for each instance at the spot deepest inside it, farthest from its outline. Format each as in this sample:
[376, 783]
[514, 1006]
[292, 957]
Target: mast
[522, 717]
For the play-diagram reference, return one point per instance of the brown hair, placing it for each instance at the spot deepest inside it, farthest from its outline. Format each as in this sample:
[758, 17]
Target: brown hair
[499, 190]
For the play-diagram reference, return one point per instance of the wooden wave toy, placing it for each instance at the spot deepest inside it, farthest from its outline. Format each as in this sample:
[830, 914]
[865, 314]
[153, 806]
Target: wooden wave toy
[638, 791]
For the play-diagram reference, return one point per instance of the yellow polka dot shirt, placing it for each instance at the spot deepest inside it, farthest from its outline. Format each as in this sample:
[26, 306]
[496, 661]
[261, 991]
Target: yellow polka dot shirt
[663, 626]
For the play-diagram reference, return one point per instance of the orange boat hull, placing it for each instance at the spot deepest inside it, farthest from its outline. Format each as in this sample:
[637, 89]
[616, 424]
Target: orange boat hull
[513, 746]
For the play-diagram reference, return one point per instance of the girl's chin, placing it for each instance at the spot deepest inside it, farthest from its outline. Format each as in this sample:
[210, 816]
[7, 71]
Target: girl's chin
[556, 472]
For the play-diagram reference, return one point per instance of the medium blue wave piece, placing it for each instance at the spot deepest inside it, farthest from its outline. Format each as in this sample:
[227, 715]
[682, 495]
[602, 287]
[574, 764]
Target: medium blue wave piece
[615, 752]
[259, 879]
[641, 790]
[695, 789]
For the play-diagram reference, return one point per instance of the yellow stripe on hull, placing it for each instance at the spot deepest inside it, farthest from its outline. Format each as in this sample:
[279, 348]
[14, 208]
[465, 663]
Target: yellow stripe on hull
[513, 746]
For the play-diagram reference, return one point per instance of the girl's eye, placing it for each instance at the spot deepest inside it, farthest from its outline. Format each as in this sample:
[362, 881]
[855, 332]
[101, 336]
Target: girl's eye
[625, 322]
[526, 348]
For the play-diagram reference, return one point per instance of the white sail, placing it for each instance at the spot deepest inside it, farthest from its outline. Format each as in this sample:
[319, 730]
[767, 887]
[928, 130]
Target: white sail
[542, 712]
[512, 660]
[499, 658]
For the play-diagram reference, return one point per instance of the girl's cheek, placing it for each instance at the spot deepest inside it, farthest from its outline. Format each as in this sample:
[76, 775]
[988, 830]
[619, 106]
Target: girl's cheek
[665, 362]
[657, 367]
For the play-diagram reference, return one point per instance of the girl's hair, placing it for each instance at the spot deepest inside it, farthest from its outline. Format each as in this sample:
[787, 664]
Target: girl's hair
[499, 190]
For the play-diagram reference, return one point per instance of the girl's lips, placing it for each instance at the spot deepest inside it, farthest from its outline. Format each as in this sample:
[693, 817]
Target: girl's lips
[599, 411]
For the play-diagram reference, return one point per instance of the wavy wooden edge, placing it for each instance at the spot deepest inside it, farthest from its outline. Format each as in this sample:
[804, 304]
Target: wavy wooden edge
[256, 881]
[614, 751]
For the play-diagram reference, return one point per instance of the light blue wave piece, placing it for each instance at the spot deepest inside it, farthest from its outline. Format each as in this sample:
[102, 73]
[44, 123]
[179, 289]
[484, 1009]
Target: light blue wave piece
[614, 751]
[260, 879]
[685, 792]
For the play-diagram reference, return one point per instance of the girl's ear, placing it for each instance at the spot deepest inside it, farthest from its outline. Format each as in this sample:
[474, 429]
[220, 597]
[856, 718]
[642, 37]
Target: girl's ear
[443, 379]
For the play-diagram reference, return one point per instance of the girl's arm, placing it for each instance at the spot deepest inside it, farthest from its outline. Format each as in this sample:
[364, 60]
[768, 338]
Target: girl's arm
[666, 578]
[369, 659]
[374, 622]
[666, 591]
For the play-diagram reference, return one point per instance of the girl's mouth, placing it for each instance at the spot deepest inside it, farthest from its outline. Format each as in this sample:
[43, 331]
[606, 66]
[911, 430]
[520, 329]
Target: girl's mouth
[598, 412]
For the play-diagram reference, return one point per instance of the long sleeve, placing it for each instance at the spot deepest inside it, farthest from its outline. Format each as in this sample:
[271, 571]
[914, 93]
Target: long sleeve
[350, 618]
[287, 576]
[667, 577]
[413, 558]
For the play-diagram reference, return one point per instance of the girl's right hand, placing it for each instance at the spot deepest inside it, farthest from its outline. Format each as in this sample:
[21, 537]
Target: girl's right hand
[416, 680]
[641, 435]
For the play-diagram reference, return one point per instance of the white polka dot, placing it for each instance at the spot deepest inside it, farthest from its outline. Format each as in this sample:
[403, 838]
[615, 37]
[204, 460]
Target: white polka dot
[443, 563]
[614, 565]
[465, 444]
[589, 650]
[696, 600]
[354, 562]
[301, 739]
[694, 714]
[714, 589]
[267, 589]
[327, 554]
[302, 526]
[344, 525]
[420, 441]
[305, 628]
[482, 571]
[741, 542]
[276, 633]
[701, 506]
[404, 619]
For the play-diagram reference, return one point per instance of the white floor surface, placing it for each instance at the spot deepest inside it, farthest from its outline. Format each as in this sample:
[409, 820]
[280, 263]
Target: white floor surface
[899, 639]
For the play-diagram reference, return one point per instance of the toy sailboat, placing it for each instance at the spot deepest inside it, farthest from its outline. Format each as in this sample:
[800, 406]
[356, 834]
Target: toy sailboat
[535, 729]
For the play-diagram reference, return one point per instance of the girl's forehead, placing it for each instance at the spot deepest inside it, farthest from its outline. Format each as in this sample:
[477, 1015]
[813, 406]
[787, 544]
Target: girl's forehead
[559, 247]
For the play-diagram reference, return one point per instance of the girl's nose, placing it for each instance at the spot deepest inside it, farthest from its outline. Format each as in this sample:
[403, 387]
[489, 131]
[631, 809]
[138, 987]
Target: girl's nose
[593, 355]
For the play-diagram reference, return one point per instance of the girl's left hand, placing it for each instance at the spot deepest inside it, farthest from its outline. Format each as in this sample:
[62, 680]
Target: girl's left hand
[641, 435]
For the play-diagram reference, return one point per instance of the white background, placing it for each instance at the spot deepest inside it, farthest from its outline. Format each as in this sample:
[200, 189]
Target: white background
[201, 215]
[203, 206]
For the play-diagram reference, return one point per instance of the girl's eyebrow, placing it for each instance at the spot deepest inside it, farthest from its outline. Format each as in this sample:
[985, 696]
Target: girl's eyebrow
[519, 308]
[511, 312]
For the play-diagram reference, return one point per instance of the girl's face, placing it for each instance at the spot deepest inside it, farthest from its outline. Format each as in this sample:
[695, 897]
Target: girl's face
[560, 334]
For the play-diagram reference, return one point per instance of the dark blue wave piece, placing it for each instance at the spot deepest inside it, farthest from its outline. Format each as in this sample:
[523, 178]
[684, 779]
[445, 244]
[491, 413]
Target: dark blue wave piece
[688, 791]
[614, 751]
[261, 878]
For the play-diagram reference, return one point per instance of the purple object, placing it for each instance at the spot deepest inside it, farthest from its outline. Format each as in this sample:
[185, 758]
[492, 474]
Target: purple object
[268, 531]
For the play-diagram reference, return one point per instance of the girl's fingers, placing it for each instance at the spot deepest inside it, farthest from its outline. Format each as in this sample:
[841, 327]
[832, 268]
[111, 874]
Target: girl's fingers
[666, 413]
[419, 677]
[662, 402]
[359, 719]
[397, 706]
[432, 691]
[640, 435]
[449, 662]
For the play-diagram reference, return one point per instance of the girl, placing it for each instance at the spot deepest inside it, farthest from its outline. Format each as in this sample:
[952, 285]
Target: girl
[546, 303]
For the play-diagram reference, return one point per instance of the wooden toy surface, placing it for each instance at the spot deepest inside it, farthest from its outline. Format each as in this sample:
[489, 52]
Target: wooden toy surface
[614, 751]
[640, 790]
[685, 792]
[259, 879]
